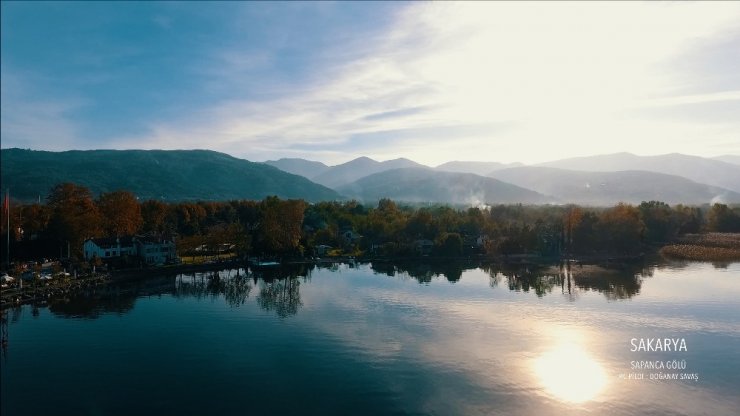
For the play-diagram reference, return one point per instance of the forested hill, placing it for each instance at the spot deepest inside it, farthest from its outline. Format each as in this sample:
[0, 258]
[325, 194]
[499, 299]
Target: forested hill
[428, 185]
[170, 175]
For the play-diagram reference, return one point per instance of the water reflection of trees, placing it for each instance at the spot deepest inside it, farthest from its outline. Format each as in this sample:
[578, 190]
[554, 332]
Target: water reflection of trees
[279, 292]
[615, 282]
[279, 287]
[119, 299]
[523, 279]
[425, 272]
[619, 281]
[234, 285]
[280, 295]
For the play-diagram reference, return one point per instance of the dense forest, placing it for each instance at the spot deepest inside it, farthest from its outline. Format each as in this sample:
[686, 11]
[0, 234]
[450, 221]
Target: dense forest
[278, 227]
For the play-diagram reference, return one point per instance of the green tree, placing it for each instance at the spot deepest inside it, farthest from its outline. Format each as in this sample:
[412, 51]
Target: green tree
[449, 244]
[723, 219]
[660, 223]
[688, 219]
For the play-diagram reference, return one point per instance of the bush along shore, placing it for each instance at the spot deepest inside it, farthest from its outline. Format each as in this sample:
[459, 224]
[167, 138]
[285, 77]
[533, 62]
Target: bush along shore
[705, 247]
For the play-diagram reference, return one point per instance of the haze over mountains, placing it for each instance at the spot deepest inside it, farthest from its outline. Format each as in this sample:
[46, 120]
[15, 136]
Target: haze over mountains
[698, 169]
[478, 168]
[734, 159]
[207, 175]
[609, 188]
[302, 167]
[336, 176]
[428, 185]
[596, 180]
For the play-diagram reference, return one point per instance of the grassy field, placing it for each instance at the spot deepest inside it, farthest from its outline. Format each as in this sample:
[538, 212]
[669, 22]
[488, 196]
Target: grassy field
[706, 247]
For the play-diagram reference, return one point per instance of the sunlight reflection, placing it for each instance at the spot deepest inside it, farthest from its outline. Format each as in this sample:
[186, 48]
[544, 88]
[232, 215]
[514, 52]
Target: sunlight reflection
[570, 374]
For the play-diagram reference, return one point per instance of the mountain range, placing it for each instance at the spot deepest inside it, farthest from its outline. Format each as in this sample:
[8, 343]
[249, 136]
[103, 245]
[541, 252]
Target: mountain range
[206, 175]
[698, 169]
[302, 167]
[478, 168]
[609, 188]
[428, 185]
[734, 159]
[339, 175]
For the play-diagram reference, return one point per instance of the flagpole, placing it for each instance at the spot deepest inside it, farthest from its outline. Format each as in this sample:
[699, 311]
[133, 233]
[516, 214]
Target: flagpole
[7, 215]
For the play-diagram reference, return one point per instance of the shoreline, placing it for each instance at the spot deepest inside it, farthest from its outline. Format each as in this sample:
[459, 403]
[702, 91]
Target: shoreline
[48, 290]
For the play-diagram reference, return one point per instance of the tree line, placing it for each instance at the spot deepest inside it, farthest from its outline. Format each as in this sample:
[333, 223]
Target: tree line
[275, 226]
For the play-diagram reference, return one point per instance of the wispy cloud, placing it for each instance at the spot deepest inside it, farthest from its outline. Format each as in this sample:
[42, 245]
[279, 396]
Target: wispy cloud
[561, 72]
[694, 99]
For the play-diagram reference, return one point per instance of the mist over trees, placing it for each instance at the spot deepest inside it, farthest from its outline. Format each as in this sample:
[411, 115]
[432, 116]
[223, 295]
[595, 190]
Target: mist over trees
[293, 227]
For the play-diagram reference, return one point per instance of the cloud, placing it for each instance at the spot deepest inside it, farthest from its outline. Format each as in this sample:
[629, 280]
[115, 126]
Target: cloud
[164, 22]
[563, 74]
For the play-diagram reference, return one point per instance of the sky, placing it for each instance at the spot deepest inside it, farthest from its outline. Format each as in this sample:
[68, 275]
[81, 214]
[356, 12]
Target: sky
[430, 81]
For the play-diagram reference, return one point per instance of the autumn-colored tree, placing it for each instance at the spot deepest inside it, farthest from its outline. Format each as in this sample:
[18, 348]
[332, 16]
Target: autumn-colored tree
[621, 228]
[74, 215]
[280, 225]
[188, 217]
[154, 216]
[571, 220]
[35, 219]
[121, 213]
[220, 236]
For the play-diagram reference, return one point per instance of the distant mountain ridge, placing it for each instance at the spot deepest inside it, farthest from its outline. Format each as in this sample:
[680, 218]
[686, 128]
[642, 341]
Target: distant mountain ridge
[339, 175]
[734, 159]
[171, 175]
[421, 185]
[697, 169]
[609, 188]
[478, 168]
[208, 175]
[297, 166]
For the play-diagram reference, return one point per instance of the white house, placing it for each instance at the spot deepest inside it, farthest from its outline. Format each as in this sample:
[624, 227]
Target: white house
[107, 248]
[152, 250]
[155, 250]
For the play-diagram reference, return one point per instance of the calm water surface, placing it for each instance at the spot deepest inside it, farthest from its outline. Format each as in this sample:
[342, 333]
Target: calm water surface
[384, 339]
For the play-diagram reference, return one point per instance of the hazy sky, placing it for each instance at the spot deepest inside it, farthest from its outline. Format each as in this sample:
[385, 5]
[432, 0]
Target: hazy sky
[433, 82]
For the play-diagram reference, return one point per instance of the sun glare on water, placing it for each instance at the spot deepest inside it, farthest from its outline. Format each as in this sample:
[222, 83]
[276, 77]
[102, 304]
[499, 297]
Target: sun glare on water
[570, 374]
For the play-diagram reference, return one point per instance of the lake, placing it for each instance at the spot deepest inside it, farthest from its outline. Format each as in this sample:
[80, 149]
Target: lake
[376, 339]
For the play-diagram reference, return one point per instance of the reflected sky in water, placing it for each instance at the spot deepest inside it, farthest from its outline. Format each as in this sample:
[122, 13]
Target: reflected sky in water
[383, 339]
